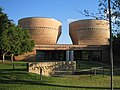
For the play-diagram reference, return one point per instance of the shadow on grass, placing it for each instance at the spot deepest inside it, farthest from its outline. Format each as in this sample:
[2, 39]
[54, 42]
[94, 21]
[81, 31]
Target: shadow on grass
[3, 70]
[44, 83]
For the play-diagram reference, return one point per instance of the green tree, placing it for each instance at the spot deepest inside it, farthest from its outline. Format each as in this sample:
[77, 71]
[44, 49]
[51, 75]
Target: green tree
[103, 14]
[116, 48]
[13, 39]
[115, 11]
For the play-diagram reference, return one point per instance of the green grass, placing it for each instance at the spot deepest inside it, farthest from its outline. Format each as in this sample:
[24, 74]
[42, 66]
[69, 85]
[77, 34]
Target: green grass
[89, 64]
[19, 79]
[9, 65]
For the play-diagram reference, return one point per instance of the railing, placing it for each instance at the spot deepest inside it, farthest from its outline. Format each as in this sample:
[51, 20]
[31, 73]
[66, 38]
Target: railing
[91, 71]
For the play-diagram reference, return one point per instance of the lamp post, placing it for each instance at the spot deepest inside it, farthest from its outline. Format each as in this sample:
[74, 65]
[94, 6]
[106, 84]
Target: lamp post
[111, 46]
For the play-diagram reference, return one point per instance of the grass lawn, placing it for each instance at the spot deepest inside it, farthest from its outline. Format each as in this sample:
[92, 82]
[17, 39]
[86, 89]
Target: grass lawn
[19, 79]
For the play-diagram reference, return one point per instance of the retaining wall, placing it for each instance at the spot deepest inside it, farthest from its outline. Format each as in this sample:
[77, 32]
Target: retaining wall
[52, 68]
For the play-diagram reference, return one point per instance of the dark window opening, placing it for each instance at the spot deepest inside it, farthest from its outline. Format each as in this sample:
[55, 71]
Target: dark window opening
[50, 55]
[92, 55]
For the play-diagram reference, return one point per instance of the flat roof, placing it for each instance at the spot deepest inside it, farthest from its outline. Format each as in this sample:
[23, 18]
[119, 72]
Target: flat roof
[70, 47]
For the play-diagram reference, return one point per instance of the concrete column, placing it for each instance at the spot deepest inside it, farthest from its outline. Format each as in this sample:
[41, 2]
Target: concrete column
[67, 55]
[71, 55]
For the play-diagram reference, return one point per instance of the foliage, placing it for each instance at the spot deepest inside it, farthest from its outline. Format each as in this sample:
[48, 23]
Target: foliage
[116, 46]
[4, 21]
[115, 11]
[13, 39]
[103, 13]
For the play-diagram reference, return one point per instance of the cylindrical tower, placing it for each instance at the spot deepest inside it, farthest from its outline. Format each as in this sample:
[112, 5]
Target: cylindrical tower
[89, 32]
[42, 30]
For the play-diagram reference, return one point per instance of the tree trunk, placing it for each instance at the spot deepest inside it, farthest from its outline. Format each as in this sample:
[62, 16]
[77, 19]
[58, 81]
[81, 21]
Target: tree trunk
[12, 57]
[3, 58]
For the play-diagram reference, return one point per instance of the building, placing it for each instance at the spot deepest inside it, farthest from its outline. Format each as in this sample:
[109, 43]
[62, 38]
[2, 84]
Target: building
[44, 31]
[89, 37]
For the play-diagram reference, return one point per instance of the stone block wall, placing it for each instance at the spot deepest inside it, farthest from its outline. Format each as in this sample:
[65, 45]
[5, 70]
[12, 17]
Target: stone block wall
[52, 68]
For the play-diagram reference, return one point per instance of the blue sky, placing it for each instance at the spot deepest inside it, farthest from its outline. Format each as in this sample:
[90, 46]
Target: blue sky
[63, 10]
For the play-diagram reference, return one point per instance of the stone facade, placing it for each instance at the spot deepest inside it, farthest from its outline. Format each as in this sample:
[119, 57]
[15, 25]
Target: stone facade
[89, 32]
[43, 30]
[52, 68]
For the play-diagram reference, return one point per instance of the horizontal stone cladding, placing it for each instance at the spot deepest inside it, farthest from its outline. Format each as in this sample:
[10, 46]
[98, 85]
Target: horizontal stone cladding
[52, 68]
[42, 30]
[89, 32]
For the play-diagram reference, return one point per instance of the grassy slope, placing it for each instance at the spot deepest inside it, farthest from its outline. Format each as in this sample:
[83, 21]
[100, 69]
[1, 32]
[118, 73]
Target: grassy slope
[22, 80]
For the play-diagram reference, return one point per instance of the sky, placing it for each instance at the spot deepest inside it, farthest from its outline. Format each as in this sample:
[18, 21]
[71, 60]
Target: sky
[62, 10]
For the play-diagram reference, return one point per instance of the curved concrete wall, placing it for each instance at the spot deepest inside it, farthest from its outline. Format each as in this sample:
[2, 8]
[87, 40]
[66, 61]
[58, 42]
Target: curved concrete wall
[89, 32]
[43, 30]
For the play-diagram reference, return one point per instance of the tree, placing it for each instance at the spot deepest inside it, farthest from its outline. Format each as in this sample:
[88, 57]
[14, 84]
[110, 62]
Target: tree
[115, 9]
[103, 14]
[116, 48]
[13, 39]
[4, 24]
